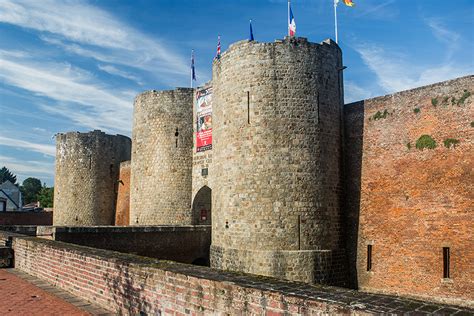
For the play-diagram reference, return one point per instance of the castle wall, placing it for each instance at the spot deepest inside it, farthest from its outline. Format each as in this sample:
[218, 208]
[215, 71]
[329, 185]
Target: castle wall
[407, 202]
[162, 158]
[276, 160]
[87, 169]
[129, 284]
[122, 209]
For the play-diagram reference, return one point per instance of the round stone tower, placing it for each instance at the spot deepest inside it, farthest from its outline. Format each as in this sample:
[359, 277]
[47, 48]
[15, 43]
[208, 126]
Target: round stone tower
[87, 169]
[276, 160]
[162, 154]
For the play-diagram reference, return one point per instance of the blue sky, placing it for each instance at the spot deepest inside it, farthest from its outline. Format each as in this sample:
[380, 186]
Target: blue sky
[76, 65]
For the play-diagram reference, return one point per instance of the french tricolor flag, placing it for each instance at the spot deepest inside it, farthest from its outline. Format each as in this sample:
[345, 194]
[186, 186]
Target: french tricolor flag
[291, 22]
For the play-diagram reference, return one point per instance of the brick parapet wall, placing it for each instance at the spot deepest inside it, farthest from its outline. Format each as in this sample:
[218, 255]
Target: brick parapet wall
[409, 203]
[130, 284]
[26, 218]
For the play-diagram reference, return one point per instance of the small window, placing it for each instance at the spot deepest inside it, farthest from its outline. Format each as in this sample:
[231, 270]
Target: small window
[369, 257]
[446, 258]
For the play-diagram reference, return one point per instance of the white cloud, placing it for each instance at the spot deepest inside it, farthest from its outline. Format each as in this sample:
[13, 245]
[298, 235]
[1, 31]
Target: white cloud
[395, 72]
[49, 150]
[23, 169]
[354, 92]
[101, 36]
[80, 96]
[117, 72]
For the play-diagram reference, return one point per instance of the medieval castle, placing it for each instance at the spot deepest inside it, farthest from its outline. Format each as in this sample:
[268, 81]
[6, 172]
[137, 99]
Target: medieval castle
[375, 195]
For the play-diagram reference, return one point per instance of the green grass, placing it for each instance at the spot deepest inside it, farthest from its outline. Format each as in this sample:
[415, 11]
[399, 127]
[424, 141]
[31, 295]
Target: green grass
[425, 141]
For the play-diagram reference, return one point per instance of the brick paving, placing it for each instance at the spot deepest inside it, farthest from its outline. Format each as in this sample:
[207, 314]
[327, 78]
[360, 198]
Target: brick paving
[21, 294]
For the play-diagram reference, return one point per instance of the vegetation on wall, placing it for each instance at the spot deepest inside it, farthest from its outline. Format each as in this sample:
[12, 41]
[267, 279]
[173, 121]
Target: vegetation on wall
[450, 142]
[379, 115]
[425, 141]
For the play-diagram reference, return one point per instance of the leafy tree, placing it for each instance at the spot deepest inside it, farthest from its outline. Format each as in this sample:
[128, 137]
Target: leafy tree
[5, 175]
[45, 196]
[30, 189]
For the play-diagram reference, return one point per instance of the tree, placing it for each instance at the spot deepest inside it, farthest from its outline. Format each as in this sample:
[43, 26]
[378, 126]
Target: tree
[5, 175]
[30, 189]
[45, 196]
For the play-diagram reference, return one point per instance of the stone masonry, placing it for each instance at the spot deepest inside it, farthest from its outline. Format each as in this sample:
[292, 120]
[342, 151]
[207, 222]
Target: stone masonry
[87, 169]
[162, 153]
[276, 160]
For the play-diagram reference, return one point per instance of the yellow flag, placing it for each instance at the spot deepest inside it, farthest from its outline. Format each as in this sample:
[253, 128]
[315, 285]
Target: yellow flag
[349, 3]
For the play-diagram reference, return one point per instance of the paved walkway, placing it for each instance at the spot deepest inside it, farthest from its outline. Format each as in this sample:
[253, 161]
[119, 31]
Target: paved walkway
[22, 294]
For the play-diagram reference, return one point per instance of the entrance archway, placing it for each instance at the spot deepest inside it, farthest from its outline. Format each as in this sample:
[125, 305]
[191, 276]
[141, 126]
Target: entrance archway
[202, 206]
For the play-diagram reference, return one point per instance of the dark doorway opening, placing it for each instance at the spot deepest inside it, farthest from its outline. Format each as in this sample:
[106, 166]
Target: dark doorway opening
[202, 206]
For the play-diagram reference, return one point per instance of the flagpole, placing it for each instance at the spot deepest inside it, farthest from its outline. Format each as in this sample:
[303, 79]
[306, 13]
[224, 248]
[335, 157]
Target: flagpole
[335, 17]
[192, 67]
[289, 18]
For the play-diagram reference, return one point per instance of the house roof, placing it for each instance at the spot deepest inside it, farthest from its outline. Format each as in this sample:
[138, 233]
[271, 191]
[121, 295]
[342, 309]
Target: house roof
[8, 197]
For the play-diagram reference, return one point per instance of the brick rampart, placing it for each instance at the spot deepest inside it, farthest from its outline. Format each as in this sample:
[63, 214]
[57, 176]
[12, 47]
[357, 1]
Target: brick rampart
[410, 189]
[131, 284]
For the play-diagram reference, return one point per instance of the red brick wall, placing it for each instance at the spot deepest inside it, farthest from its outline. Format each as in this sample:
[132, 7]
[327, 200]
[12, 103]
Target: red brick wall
[410, 203]
[26, 218]
[122, 211]
[129, 284]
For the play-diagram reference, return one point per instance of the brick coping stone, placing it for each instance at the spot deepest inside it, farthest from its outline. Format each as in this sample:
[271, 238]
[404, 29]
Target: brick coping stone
[370, 303]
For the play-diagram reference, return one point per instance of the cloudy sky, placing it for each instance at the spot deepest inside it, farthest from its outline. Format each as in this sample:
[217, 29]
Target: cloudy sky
[76, 65]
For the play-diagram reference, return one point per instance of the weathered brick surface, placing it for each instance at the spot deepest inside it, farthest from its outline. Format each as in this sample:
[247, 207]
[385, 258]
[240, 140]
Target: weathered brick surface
[122, 209]
[276, 157]
[87, 170]
[411, 203]
[162, 158]
[129, 284]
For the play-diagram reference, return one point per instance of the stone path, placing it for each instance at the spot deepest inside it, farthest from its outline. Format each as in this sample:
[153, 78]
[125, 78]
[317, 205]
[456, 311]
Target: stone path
[22, 294]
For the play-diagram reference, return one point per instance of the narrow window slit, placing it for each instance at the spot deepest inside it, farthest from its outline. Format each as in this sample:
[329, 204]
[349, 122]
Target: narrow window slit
[369, 257]
[446, 259]
[176, 134]
[248, 107]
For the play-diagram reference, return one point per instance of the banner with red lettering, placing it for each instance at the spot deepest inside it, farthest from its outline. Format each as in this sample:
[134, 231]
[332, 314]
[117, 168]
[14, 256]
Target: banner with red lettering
[204, 119]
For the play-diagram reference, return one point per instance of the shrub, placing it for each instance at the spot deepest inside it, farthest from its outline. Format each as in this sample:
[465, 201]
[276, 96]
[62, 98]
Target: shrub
[434, 101]
[450, 142]
[466, 95]
[425, 141]
[416, 110]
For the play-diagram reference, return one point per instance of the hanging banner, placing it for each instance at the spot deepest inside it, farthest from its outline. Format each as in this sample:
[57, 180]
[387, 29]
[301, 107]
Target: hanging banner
[204, 119]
